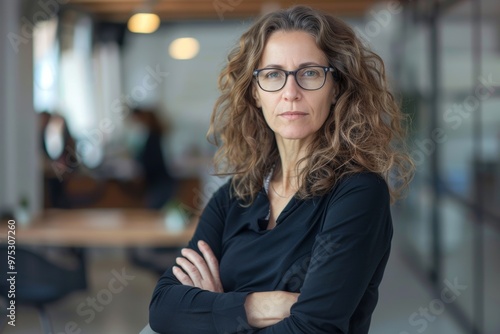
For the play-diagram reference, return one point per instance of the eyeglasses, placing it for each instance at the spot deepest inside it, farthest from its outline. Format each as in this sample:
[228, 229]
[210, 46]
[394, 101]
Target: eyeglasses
[308, 77]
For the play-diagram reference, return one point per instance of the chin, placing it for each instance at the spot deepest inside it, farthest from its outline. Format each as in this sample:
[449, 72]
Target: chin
[296, 135]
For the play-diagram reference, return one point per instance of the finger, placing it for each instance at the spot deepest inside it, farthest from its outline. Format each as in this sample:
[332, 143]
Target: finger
[213, 265]
[198, 262]
[181, 276]
[211, 260]
[191, 270]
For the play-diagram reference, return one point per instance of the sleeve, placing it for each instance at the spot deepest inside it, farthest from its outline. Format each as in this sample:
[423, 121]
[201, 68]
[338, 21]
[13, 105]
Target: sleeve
[179, 309]
[347, 260]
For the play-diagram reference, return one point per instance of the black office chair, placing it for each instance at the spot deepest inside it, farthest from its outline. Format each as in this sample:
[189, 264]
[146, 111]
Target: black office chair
[153, 259]
[40, 281]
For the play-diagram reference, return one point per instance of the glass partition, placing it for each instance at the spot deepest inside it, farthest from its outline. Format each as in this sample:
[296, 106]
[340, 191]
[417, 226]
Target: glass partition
[450, 221]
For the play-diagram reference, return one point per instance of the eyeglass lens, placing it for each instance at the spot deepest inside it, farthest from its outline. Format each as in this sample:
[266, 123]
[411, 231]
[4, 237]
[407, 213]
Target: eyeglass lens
[309, 78]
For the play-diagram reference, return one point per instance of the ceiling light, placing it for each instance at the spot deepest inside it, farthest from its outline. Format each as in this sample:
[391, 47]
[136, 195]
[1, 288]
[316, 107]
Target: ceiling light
[143, 23]
[184, 48]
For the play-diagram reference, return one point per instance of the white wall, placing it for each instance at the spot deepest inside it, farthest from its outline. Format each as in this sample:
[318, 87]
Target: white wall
[19, 172]
[189, 90]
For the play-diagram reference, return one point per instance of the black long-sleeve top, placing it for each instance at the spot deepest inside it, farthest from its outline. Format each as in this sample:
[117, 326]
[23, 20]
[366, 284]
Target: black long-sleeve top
[331, 249]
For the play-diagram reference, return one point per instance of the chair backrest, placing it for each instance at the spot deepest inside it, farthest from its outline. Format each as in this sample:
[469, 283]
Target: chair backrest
[40, 281]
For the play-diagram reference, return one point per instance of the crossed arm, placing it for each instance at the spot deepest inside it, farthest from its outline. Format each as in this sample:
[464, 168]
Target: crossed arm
[263, 309]
[337, 295]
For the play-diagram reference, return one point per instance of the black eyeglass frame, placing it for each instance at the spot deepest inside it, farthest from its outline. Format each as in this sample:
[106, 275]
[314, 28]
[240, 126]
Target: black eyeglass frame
[294, 73]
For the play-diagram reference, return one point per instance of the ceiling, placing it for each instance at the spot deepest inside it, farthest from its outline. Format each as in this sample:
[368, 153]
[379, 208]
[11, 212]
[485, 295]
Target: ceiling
[170, 10]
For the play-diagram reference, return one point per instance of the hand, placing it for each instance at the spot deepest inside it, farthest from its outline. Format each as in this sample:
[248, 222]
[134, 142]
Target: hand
[200, 272]
[264, 309]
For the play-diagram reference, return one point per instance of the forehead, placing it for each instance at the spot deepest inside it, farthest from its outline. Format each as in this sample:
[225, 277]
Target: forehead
[291, 48]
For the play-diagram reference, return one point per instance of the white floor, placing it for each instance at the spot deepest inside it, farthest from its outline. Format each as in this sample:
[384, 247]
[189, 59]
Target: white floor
[126, 311]
[406, 307]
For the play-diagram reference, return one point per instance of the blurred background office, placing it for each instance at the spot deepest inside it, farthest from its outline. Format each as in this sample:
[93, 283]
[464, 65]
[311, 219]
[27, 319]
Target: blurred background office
[74, 74]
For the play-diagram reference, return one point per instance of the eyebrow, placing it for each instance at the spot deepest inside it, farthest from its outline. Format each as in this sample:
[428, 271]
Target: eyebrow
[300, 65]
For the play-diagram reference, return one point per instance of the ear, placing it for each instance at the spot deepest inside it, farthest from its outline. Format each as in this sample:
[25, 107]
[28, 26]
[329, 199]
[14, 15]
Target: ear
[334, 94]
[256, 97]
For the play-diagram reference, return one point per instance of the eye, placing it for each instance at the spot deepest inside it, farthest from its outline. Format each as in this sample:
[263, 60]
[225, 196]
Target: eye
[272, 74]
[310, 73]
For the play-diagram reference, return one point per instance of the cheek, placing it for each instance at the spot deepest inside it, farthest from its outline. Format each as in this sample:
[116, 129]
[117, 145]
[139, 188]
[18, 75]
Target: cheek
[267, 115]
[324, 110]
[268, 111]
[326, 102]
[323, 117]
[269, 104]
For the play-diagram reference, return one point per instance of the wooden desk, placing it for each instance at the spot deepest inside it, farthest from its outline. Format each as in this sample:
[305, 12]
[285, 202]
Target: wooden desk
[99, 228]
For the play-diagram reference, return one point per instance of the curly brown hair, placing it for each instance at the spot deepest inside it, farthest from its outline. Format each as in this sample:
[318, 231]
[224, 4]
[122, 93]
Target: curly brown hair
[365, 131]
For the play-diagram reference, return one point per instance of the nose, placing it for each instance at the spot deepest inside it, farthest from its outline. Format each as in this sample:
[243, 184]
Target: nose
[291, 91]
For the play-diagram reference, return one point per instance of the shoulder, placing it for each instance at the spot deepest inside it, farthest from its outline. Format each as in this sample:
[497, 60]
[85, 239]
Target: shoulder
[359, 204]
[222, 192]
[366, 187]
[215, 197]
[364, 180]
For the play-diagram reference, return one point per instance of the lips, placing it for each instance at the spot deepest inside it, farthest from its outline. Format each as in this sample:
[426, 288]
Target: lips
[293, 114]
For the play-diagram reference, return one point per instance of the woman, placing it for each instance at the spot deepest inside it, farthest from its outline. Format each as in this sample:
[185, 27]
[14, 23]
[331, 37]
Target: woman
[298, 239]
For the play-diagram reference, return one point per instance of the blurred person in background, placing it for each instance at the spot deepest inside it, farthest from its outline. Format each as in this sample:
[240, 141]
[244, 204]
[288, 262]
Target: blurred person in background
[59, 158]
[146, 134]
[297, 241]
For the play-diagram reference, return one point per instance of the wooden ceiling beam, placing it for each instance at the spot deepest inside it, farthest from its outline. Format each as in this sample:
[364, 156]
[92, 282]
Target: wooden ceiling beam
[120, 10]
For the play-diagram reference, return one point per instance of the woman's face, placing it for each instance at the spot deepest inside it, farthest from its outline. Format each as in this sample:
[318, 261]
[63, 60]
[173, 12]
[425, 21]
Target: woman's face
[292, 112]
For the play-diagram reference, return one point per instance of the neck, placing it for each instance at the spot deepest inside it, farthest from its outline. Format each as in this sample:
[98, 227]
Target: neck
[286, 177]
